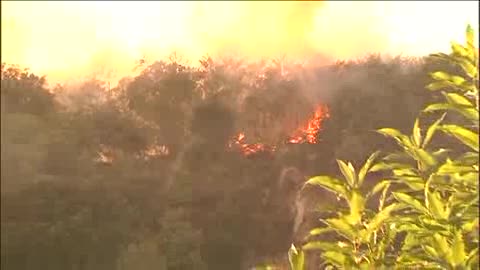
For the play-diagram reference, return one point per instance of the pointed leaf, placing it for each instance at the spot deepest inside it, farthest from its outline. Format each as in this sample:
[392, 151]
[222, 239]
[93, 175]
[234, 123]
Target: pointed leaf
[397, 157]
[336, 258]
[454, 98]
[332, 184]
[459, 49]
[395, 134]
[470, 34]
[425, 158]
[462, 105]
[438, 107]
[382, 166]
[410, 201]
[472, 258]
[380, 218]
[466, 136]
[431, 131]
[467, 66]
[470, 226]
[348, 172]
[357, 205]
[417, 136]
[342, 227]
[405, 172]
[436, 205]
[319, 231]
[366, 167]
[296, 258]
[440, 75]
[441, 244]
[379, 187]
[458, 250]
[326, 246]
[438, 85]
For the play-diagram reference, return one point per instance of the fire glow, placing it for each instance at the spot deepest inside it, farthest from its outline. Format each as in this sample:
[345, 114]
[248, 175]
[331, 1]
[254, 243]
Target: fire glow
[249, 149]
[307, 133]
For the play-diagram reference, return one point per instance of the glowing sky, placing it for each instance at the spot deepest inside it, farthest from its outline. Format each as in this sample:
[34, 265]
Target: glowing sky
[70, 40]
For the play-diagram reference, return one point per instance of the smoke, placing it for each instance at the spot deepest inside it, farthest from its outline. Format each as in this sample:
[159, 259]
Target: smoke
[78, 40]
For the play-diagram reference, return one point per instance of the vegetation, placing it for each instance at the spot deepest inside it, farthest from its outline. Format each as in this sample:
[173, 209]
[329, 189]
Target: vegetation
[152, 175]
[427, 214]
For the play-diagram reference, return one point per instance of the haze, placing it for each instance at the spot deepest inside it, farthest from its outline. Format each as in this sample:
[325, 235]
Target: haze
[73, 40]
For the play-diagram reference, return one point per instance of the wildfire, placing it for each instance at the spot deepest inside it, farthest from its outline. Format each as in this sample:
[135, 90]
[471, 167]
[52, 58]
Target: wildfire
[250, 149]
[309, 132]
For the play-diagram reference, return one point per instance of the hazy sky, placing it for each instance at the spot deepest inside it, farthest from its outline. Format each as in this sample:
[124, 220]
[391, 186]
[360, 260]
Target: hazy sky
[70, 40]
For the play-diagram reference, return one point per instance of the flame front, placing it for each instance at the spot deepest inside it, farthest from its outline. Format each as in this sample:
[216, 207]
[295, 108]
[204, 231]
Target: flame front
[250, 149]
[309, 132]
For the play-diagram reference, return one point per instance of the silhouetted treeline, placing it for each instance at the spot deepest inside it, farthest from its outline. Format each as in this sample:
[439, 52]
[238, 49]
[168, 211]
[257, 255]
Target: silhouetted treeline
[144, 176]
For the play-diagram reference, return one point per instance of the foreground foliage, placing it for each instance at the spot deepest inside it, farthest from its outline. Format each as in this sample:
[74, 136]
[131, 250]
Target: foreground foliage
[425, 211]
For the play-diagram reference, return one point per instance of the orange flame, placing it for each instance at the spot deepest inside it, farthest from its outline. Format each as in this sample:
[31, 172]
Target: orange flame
[309, 132]
[250, 149]
[305, 134]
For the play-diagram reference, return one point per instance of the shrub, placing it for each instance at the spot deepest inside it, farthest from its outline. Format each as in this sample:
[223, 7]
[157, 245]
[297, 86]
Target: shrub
[427, 212]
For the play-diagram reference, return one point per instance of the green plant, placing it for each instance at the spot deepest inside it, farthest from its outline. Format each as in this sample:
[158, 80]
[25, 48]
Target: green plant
[363, 236]
[427, 215]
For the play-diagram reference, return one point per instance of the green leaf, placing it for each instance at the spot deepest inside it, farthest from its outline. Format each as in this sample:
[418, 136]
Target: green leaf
[441, 244]
[425, 158]
[466, 136]
[431, 131]
[348, 172]
[417, 136]
[470, 226]
[458, 250]
[441, 153]
[436, 206]
[467, 66]
[472, 258]
[382, 166]
[296, 258]
[454, 98]
[326, 246]
[342, 227]
[469, 158]
[319, 231]
[397, 157]
[431, 251]
[336, 258]
[405, 172]
[366, 167]
[416, 183]
[402, 139]
[470, 35]
[438, 85]
[357, 205]
[440, 75]
[438, 107]
[332, 184]
[457, 80]
[380, 218]
[459, 49]
[410, 201]
[460, 104]
[450, 167]
[379, 187]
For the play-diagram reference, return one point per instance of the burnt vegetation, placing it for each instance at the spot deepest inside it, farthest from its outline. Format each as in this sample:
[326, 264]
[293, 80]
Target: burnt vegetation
[159, 172]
